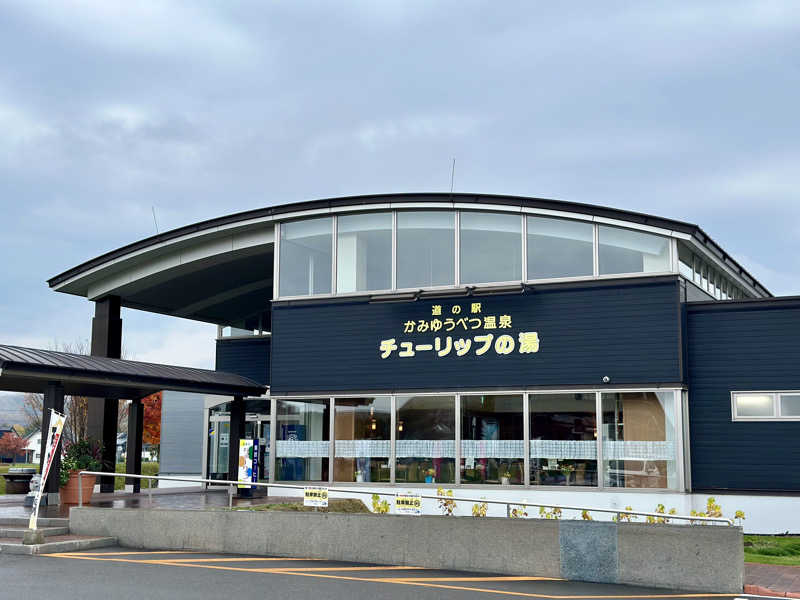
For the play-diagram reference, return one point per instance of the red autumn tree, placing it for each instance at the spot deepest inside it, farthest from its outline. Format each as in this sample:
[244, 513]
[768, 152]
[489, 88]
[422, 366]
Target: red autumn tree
[151, 430]
[11, 445]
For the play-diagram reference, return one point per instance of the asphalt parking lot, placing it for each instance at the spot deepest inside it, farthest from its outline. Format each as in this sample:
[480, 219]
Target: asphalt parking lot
[123, 573]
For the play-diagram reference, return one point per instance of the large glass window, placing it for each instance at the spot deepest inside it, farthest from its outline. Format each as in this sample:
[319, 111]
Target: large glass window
[563, 430]
[639, 449]
[306, 257]
[685, 261]
[219, 429]
[492, 440]
[559, 248]
[491, 247]
[426, 248]
[425, 447]
[363, 434]
[364, 252]
[303, 440]
[629, 251]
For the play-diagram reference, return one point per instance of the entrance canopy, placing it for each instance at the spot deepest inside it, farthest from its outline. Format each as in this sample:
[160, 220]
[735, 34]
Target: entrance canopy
[31, 370]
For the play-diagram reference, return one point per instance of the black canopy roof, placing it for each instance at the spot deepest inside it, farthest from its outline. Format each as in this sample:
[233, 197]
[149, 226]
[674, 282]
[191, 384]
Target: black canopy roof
[31, 369]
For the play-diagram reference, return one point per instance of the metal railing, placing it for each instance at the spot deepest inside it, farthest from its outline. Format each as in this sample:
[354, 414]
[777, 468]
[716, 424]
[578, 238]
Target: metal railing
[232, 485]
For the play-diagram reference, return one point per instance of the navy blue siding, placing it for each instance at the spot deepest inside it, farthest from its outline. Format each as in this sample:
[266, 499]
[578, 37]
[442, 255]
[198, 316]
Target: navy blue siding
[627, 331]
[249, 357]
[739, 347]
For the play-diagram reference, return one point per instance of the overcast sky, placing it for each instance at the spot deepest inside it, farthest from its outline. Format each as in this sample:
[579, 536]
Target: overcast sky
[107, 109]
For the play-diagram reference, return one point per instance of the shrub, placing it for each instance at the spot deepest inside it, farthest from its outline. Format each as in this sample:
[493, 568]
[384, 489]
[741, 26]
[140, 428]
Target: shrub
[379, 506]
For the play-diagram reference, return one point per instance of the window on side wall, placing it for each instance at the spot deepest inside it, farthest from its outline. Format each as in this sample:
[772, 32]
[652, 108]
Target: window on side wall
[765, 406]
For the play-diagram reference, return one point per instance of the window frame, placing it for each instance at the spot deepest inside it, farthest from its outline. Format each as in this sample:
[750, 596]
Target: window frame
[776, 405]
[681, 438]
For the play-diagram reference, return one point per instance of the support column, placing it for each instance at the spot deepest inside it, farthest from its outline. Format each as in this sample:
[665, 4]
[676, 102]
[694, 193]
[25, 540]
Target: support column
[135, 429]
[236, 433]
[53, 398]
[102, 417]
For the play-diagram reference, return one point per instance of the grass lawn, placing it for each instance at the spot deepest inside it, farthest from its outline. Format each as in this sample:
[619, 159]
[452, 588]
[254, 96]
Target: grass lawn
[772, 549]
[148, 468]
[347, 505]
[4, 469]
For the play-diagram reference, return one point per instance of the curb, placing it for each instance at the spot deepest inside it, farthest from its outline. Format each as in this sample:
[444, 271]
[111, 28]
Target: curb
[757, 590]
[54, 547]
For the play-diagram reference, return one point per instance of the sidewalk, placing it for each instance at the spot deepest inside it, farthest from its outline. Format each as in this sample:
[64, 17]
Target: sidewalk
[188, 498]
[772, 580]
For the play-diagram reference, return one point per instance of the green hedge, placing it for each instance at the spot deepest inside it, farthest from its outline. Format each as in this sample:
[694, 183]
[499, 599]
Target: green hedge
[148, 468]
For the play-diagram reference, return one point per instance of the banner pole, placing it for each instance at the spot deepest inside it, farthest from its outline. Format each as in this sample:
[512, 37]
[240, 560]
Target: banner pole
[53, 437]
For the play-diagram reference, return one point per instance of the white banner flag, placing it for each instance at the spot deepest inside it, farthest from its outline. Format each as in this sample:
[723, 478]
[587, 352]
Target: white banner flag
[53, 437]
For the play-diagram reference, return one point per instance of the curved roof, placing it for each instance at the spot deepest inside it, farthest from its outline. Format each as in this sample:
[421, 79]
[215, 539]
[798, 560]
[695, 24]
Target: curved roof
[30, 369]
[395, 200]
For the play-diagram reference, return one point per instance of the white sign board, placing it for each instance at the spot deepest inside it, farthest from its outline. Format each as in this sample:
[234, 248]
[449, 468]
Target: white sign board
[315, 496]
[408, 505]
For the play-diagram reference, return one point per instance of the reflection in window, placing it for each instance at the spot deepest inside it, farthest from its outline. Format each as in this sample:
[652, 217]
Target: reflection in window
[425, 447]
[639, 449]
[563, 429]
[363, 433]
[755, 405]
[364, 252]
[628, 251]
[219, 429]
[426, 248]
[685, 261]
[491, 247]
[559, 248]
[303, 440]
[492, 440]
[790, 405]
[305, 257]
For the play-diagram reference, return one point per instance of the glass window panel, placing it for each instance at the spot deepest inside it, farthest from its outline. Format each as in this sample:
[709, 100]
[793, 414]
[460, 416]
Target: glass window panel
[426, 248]
[685, 263]
[306, 256]
[303, 440]
[563, 430]
[790, 405]
[363, 433]
[755, 405]
[219, 428]
[698, 267]
[628, 251]
[425, 447]
[704, 273]
[492, 440]
[491, 247]
[364, 252]
[559, 248]
[639, 448]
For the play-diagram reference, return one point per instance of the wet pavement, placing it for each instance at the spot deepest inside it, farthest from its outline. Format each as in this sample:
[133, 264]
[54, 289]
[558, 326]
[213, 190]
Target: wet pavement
[189, 498]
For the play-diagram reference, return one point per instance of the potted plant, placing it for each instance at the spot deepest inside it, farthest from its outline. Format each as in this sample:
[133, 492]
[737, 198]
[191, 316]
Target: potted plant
[505, 477]
[79, 456]
[430, 476]
[359, 477]
[566, 470]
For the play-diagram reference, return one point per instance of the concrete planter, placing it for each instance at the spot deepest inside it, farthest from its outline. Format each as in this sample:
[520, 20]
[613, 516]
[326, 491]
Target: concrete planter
[701, 558]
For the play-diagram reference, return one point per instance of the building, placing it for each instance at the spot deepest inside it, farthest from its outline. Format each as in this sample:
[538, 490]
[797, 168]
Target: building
[525, 347]
[33, 447]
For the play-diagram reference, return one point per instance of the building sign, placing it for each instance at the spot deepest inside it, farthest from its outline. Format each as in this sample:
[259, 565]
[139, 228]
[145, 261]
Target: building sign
[554, 336]
[479, 333]
[315, 496]
[408, 505]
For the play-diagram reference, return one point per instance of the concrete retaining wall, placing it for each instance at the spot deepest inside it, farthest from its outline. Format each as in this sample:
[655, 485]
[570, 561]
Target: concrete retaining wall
[708, 559]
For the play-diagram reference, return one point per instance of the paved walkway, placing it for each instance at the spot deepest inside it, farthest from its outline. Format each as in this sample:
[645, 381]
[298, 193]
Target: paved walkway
[770, 580]
[189, 498]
